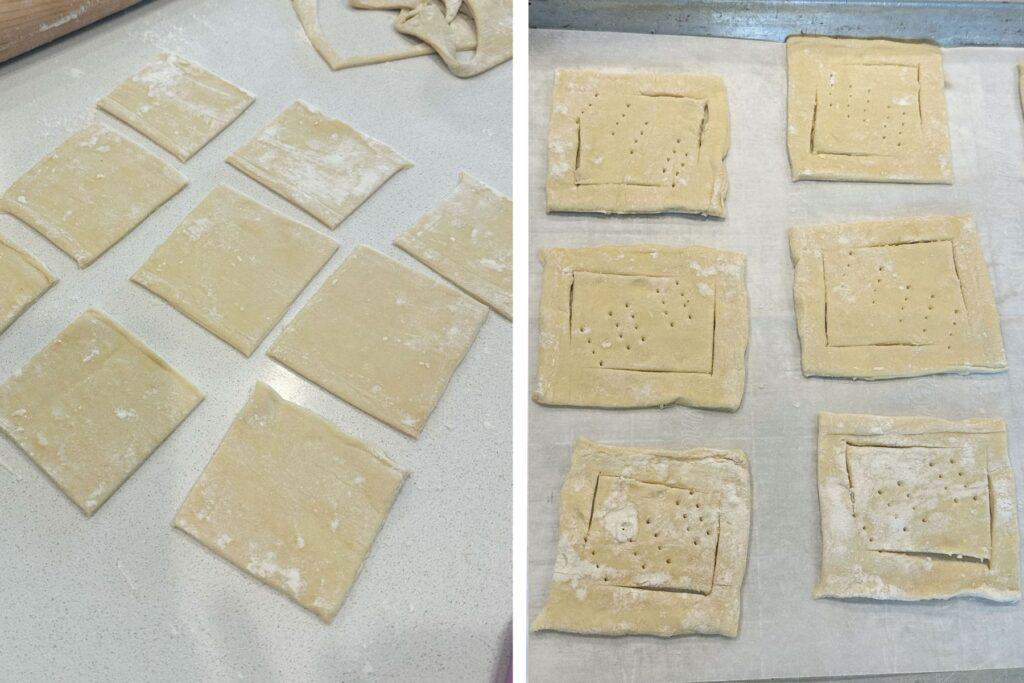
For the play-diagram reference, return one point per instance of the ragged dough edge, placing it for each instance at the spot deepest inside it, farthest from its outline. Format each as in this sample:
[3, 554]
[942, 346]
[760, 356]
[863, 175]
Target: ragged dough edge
[853, 580]
[49, 280]
[264, 391]
[723, 391]
[112, 106]
[493, 21]
[712, 614]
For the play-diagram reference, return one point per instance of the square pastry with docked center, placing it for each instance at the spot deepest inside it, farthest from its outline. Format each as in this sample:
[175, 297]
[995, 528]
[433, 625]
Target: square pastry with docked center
[916, 508]
[869, 110]
[651, 542]
[895, 298]
[623, 142]
[634, 326]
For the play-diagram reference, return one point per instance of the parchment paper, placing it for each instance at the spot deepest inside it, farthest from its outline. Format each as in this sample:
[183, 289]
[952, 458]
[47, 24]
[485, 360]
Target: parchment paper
[784, 632]
[123, 596]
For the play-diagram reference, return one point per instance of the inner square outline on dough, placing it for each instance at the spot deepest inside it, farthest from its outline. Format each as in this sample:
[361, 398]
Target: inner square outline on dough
[851, 249]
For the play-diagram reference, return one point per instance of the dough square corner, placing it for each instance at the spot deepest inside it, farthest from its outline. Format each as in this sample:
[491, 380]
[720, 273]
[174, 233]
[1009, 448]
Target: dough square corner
[644, 325]
[293, 501]
[868, 110]
[651, 542]
[895, 298]
[234, 266]
[92, 406]
[467, 239]
[916, 508]
[637, 142]
[177, 104]
[383, 337]
[25, 281]
[320, 164]
[92, 190]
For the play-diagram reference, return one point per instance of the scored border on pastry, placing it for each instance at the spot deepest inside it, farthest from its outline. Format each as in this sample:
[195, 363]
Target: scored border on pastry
[234, 266]
[92, 190]
[916, 508]
[628, 142]
[383, 337]
[292, 500]
[320, 164]
[177, 104]
[24, 279]
[646, 325]
[894, 298]
[867, 110]
[651, 542]
[91, 407]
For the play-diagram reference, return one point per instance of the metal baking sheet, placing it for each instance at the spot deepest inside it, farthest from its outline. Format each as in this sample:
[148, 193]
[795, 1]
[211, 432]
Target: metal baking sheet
[947, 22]
[123, 596]
[784, 632]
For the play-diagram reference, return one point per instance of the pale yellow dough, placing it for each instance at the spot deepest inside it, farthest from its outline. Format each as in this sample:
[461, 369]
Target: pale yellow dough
[234, 266]
[895, 298]
[647, 325]
[431, 23]
[292, 500]
[916, 508]
[318, 163]
[91, 191]
[382, 337]
[177, 104]
[24, 280]
[623, 142]
[467, 239]
[868, 110]
[92, 406]
[651, 542]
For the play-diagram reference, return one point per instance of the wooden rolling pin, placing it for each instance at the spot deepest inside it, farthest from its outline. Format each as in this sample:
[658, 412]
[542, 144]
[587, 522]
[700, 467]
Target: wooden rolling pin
[25, 24]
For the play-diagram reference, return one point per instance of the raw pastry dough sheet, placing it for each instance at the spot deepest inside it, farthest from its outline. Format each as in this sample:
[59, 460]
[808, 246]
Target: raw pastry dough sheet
[783, 631]
[190, 614]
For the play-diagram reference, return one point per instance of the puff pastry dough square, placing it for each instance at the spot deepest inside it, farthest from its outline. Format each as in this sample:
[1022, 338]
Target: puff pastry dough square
[292, 500]
[895, 298]
[623, 142]
[177, 104]
[916, 508]
[382, 337]
[649, 325]
[320, 164]
[92, 406]
[91, 191]
[651, 542]
[467, 239]
[25, 280]
[868, 110]
[234, 266]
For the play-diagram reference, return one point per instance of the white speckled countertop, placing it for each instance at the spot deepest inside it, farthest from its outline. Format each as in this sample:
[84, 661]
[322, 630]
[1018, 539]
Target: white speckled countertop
[784, 633]
[122, 595]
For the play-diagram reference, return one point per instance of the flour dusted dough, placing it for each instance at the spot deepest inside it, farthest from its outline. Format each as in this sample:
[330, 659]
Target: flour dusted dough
[916, 508]
[92, 406]
[292, 500]
[24, 280]
[648, 325]
[234, 266]
[318, 163]
[461, 28]
[177, 104]
[623, 142]
[467, 239]
[868, 110]
[895, 298]
[382, 337]
[651, 542]
[429, 22]
[91, 191]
